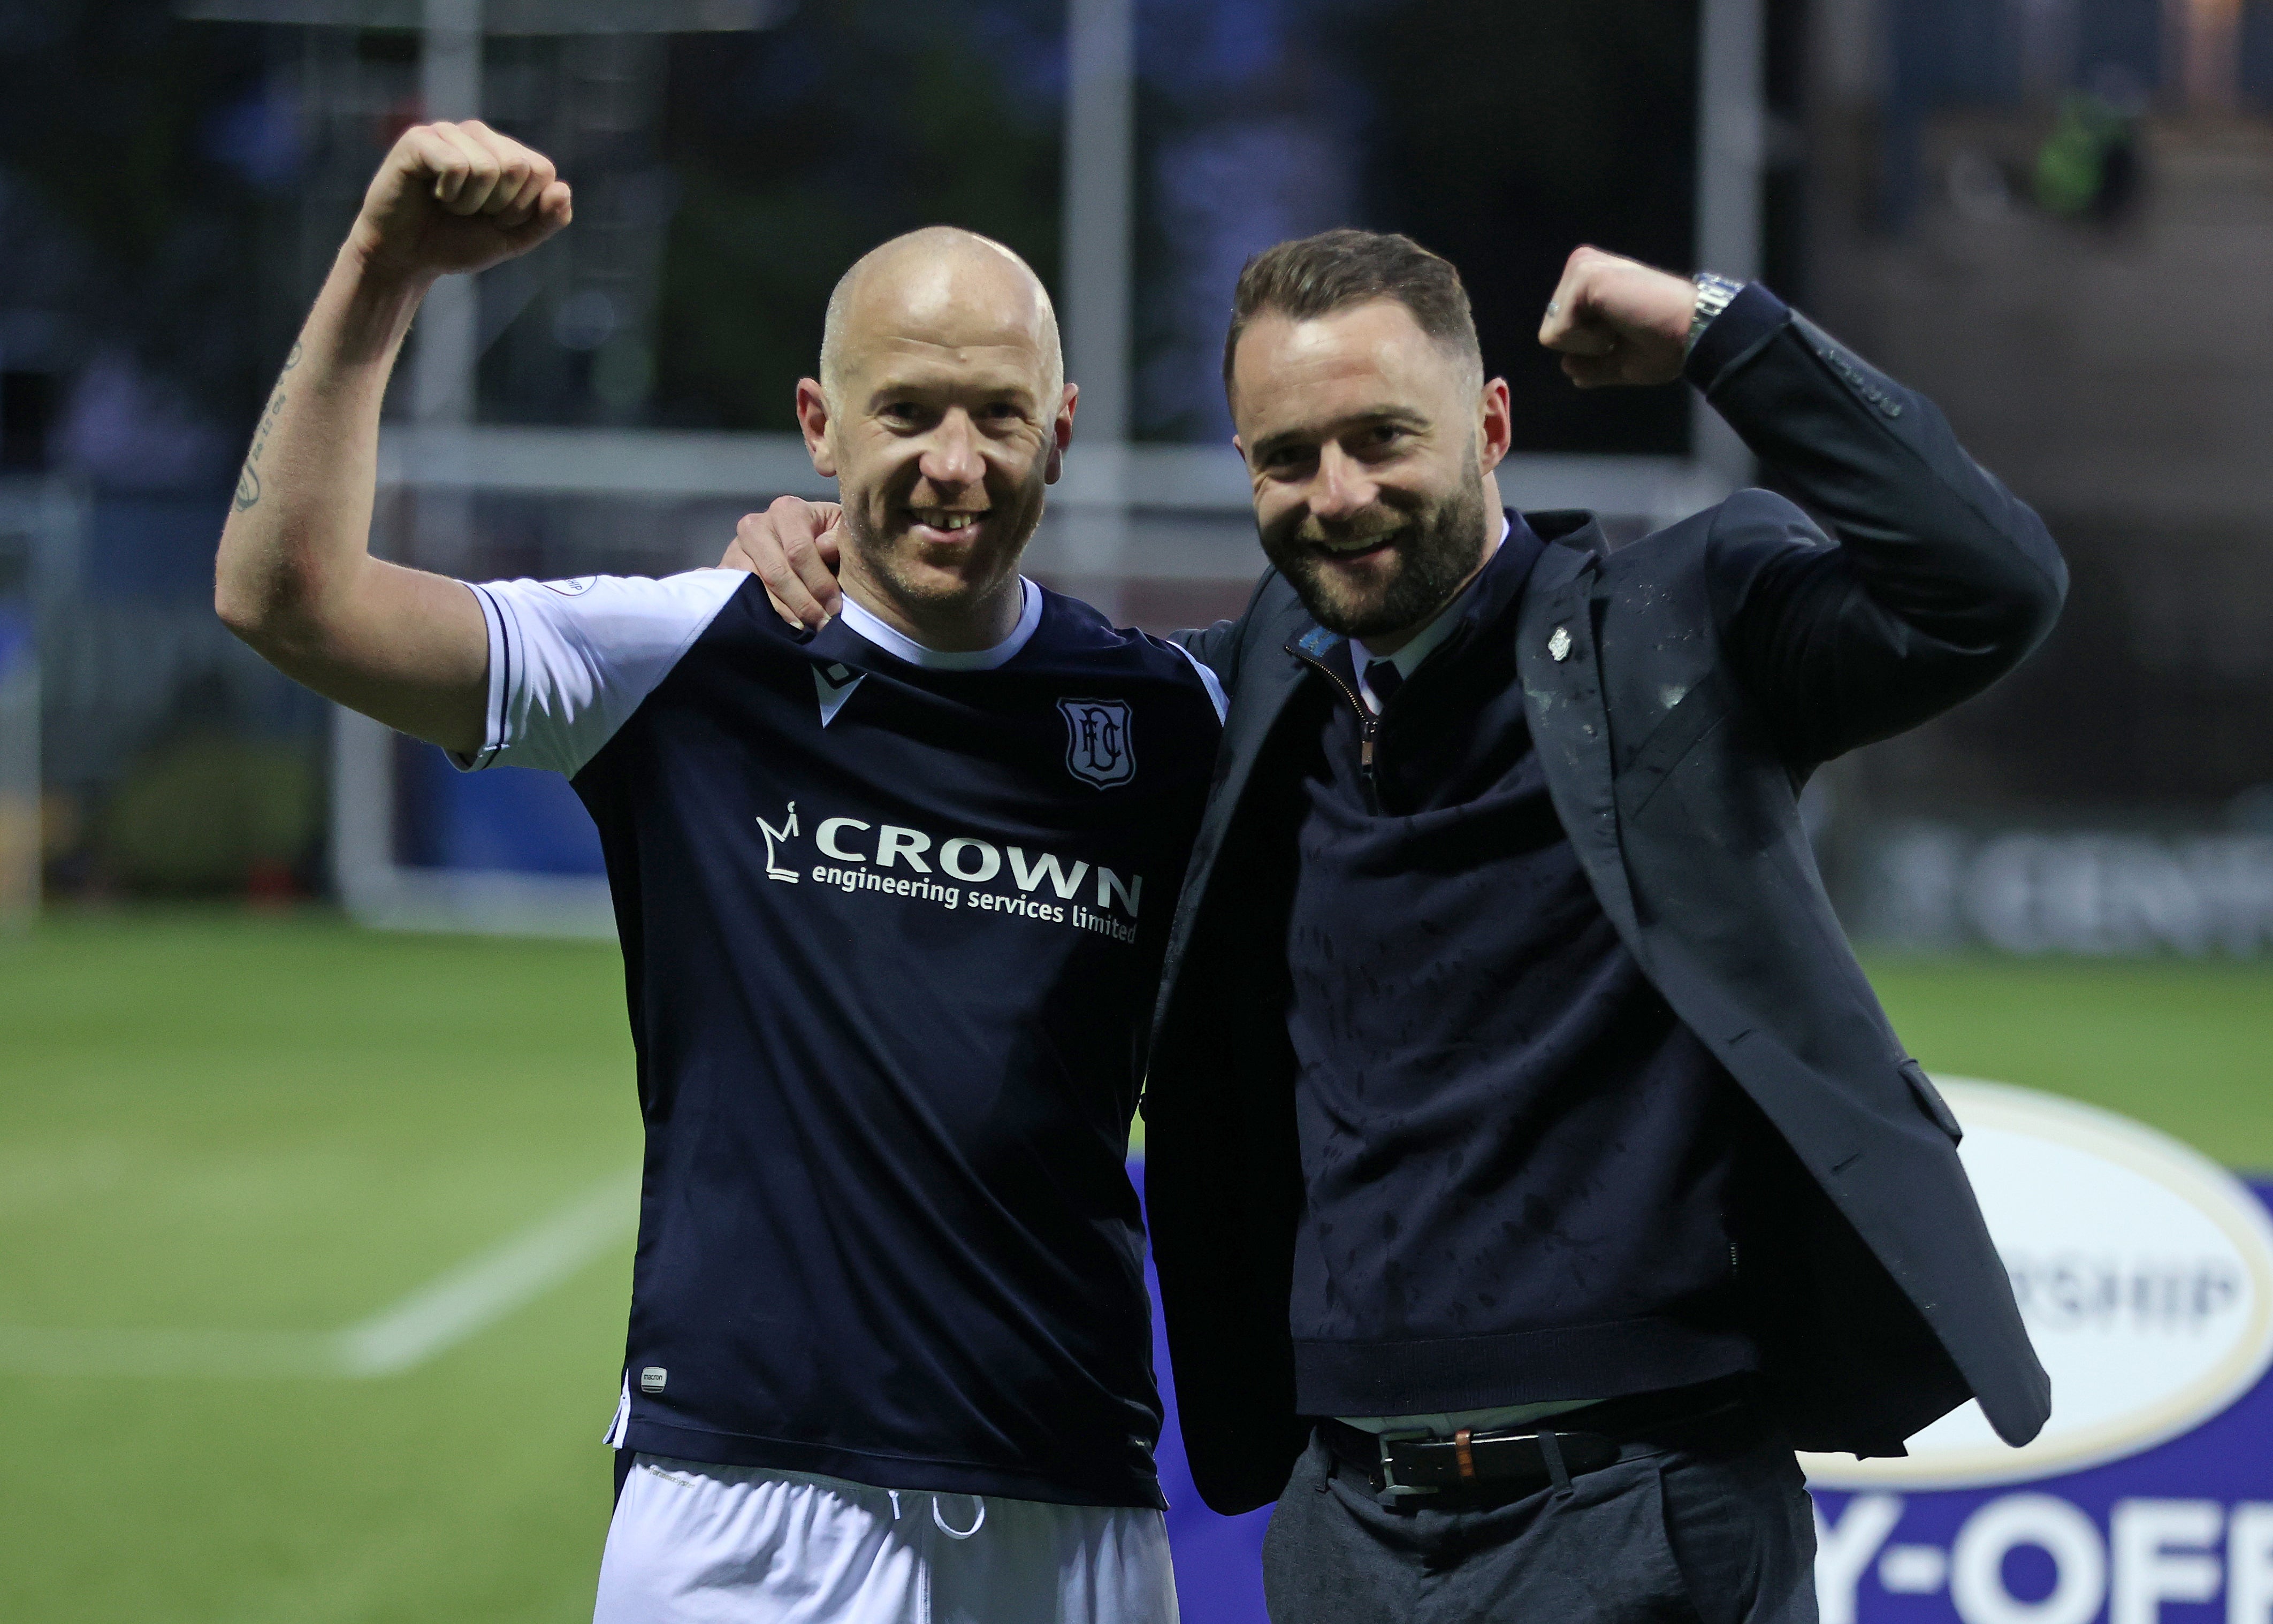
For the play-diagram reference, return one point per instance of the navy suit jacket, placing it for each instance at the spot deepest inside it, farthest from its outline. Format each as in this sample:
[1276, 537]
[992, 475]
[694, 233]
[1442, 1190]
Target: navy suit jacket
[1680, 690]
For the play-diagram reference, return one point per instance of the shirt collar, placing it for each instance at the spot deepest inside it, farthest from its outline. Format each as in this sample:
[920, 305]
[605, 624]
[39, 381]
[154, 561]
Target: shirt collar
[902, 647]
[1430, 638]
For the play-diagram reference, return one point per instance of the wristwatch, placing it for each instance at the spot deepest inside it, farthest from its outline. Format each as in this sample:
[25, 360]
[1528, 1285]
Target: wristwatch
[1713, 295]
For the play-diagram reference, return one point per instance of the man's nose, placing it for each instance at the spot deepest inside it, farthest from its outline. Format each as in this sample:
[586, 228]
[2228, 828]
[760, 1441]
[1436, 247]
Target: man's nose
[952, 458]
[1342, 487]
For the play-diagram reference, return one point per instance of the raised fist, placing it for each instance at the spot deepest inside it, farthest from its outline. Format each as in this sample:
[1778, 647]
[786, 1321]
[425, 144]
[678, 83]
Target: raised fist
[1619, 321]
[457, 197]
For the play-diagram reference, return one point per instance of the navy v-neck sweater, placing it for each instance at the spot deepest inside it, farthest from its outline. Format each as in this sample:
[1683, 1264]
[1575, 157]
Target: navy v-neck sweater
[1519, 1163]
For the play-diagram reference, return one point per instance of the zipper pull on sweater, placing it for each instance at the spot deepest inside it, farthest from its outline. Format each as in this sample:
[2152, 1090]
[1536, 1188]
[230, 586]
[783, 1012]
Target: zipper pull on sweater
[1369, 725]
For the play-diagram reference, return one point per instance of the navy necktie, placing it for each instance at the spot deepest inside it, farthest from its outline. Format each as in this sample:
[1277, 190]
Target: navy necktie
[1384, 678]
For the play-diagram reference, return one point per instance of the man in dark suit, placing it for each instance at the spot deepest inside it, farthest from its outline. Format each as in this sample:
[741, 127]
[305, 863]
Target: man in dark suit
[1530, 1166]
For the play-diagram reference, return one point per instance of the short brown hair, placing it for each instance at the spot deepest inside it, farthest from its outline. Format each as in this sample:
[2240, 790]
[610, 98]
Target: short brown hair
[1317, 275]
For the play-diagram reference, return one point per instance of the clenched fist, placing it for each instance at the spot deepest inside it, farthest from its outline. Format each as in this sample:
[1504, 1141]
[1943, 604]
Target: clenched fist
[1619, 321]
[456, 197]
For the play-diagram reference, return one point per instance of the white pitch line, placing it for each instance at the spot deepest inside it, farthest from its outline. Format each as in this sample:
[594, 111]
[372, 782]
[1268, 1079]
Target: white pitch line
[483, 1290]
[438, 1315]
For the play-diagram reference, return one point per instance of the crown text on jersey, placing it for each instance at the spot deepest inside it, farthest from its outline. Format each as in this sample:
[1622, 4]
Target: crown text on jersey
[960, 871]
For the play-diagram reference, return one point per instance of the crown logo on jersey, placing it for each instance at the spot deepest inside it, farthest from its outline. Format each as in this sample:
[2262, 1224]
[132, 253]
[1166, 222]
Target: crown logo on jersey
[782, 836]
[1098, 749]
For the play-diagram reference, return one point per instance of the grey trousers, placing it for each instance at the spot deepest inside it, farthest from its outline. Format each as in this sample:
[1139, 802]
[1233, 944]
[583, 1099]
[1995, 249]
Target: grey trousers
[1718, 1531]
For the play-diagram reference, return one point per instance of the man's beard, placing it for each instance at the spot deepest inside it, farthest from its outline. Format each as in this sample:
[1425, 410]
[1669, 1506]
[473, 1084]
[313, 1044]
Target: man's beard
[893, 572]
[1440, 548]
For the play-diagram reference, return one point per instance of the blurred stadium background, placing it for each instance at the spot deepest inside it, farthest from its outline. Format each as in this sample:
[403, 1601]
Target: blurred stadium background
[315, 1070]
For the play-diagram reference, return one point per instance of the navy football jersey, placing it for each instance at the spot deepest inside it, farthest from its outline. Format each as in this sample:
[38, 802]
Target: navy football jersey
[892, 921]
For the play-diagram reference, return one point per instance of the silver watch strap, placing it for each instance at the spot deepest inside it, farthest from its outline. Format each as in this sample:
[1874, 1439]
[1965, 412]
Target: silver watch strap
[1713, 295]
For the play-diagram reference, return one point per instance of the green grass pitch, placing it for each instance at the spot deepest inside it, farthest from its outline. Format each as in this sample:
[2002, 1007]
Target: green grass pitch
[213, 1122]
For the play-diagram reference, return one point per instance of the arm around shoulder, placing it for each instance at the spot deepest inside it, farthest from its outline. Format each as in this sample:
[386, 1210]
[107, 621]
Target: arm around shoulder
[1222, 647]
[1211, 646]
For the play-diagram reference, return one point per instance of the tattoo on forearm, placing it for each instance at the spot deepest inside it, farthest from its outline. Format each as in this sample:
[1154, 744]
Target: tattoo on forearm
[248, 481]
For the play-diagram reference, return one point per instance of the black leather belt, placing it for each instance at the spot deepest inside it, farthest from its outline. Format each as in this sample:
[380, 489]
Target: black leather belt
[1409, 1472]
[1468, 1466]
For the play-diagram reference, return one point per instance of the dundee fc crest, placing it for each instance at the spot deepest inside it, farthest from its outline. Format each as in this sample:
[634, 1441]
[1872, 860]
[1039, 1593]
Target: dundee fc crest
[1097, 747]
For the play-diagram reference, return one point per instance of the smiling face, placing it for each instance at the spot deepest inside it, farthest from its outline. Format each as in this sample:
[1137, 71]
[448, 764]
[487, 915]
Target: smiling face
[943, 417]
[1370, 447]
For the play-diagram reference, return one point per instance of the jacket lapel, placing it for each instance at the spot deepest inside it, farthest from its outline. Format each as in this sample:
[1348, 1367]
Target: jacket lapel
[1559, 661]
[1268, 678]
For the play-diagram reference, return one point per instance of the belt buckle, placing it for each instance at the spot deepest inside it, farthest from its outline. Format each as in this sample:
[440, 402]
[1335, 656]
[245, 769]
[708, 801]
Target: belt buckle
[1391, 1490]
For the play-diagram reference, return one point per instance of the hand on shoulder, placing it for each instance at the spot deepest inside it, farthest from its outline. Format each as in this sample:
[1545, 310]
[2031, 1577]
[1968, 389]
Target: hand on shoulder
[792, 547]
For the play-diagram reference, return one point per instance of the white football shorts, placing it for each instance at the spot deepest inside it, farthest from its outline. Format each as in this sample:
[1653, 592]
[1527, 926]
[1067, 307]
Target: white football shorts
[697, 1544]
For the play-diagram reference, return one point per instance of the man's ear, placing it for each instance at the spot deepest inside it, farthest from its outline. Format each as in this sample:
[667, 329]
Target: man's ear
[1495, 425]
[1060, 435]
[813, 418]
